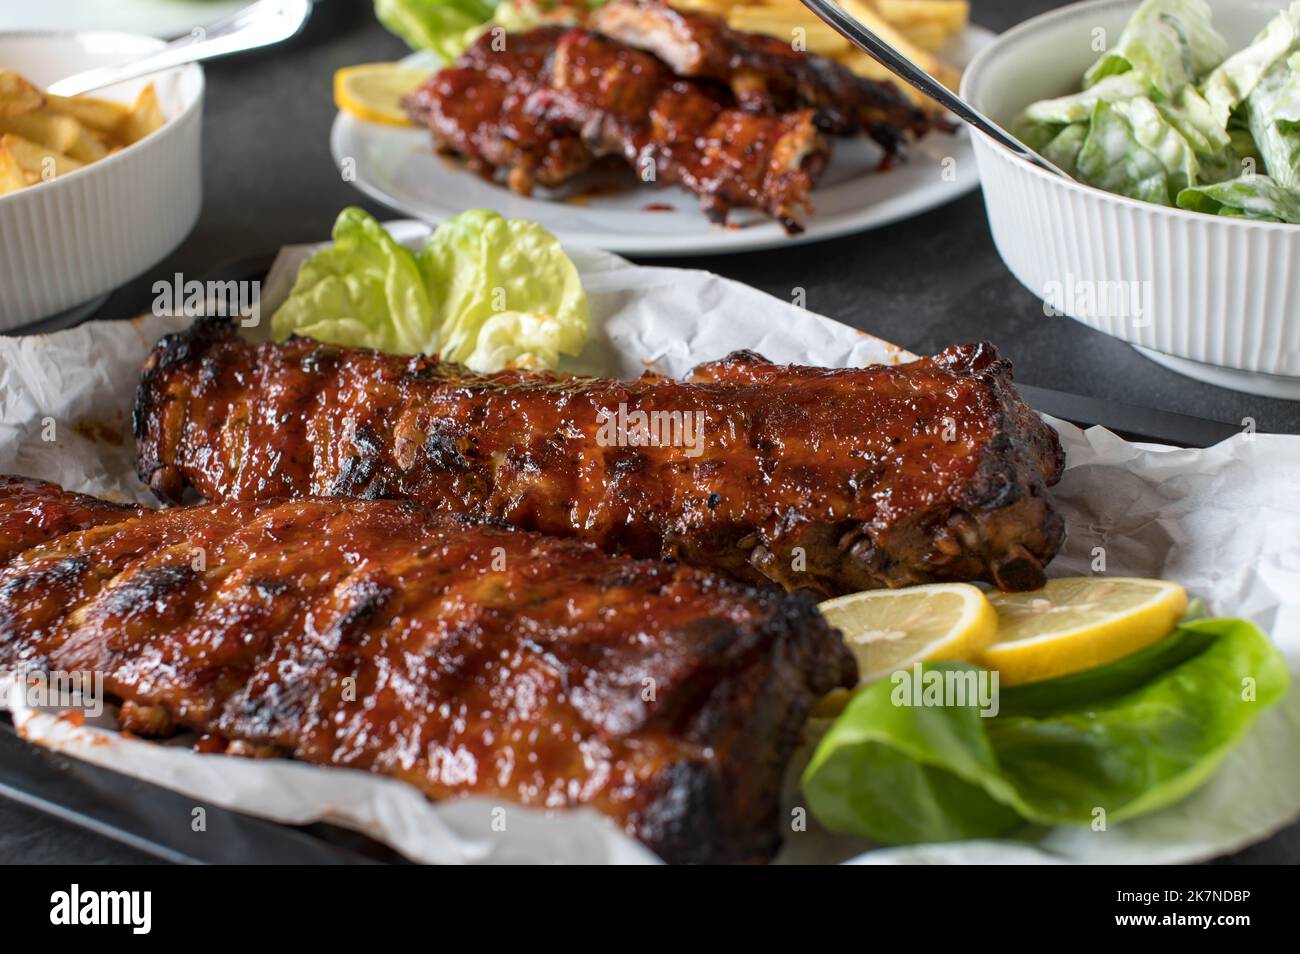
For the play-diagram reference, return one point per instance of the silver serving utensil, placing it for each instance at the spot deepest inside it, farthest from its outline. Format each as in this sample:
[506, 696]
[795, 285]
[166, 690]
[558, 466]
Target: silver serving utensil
[259, 24]
[860, 36]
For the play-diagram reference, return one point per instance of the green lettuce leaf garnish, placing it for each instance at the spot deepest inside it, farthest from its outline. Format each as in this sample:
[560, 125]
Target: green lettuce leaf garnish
[1168, 43]
[364, 291]
[478, 266]
[484, 291]
[447, 27]
[444, 26]
[1248, 197]
[1131, 737]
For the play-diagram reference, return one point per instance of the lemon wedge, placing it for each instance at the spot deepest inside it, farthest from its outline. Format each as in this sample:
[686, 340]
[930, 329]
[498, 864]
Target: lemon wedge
[1078, 623]
[889, 630]
[374, 91]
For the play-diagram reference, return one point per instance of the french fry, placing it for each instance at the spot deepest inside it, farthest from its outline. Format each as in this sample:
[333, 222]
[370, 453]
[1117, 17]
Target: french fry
[930, 36]
[864, 66]
[144, 117]
[12, 177]
[890, 34]
[88, 147]
[38, 160]
[818, 37]
[101, 115]
[45, 136]
[17, 96]
[53, 131]
[717, 8]
[952, 15]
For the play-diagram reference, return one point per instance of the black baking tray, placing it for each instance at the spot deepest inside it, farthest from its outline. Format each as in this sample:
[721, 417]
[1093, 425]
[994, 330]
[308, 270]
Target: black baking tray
[155, 820]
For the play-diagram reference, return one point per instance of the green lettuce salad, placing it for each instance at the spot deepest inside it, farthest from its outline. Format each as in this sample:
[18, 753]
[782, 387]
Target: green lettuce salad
[1126, 738]
[484, 291]
[1166, 116]
[447, 27]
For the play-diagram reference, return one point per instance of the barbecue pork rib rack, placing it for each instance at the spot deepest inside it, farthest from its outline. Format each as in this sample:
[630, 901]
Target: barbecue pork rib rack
[682, 99]
[834, 480]
[480, 660]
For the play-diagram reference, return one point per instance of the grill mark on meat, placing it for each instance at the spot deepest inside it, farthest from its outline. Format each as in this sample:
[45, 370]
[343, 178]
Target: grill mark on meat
[532, 111]
[766, 74]
[793, 461]
[149, 587]
[525, 683]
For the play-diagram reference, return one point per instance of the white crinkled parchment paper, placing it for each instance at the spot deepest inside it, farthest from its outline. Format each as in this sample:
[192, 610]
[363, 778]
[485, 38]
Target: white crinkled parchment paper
[1223, 521]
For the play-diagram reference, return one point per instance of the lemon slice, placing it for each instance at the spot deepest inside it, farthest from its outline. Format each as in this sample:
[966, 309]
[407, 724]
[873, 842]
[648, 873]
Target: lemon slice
[888, 630]
[374, 91]
[1078, 623]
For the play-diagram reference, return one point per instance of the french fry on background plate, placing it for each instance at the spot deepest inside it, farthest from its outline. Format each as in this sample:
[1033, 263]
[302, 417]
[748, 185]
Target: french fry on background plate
[890, 34]
[928, 36]
[916, 28]
[717, 8]
[778, 21]
[951, 15]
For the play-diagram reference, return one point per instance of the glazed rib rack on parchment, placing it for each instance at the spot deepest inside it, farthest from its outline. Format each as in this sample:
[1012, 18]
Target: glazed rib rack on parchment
[742, 127]
[830, 480]
[462, 658]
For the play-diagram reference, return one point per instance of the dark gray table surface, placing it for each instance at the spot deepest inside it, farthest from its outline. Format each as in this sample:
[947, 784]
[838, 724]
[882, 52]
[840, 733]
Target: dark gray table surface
[924, 284]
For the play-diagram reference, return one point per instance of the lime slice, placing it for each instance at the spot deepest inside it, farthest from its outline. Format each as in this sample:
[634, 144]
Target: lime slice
[374, 91]
[1078, 623]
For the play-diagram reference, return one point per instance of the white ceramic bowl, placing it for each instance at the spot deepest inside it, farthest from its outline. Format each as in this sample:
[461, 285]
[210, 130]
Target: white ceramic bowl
[1214, 297]
[66, 241]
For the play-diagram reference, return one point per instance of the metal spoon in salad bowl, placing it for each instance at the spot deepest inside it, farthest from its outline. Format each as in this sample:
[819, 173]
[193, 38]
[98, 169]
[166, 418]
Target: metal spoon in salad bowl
[853, 30]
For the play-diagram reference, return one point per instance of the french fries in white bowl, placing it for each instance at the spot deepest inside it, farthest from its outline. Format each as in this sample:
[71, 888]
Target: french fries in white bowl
[96, 189]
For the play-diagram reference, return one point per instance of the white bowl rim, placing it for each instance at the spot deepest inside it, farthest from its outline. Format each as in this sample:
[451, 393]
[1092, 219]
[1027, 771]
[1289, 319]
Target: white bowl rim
[195, 104]
[1019, 33]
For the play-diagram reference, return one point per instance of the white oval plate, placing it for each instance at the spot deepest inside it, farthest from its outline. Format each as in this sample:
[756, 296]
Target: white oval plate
[397, 166]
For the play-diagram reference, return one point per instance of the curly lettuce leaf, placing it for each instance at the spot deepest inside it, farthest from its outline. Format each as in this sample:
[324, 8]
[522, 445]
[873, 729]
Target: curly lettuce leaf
[444, 26]
[1233, 80]
[1064, 148]
[479, 265]
[448, 27]
[1273, 112]
[1211, 144]
[364, 291]
[1131, 150]
[1130, 738]
[517, 339]
[485, 291]
[1078, 107]
[1060, 144]
[1169, 43]
[1249, 197]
